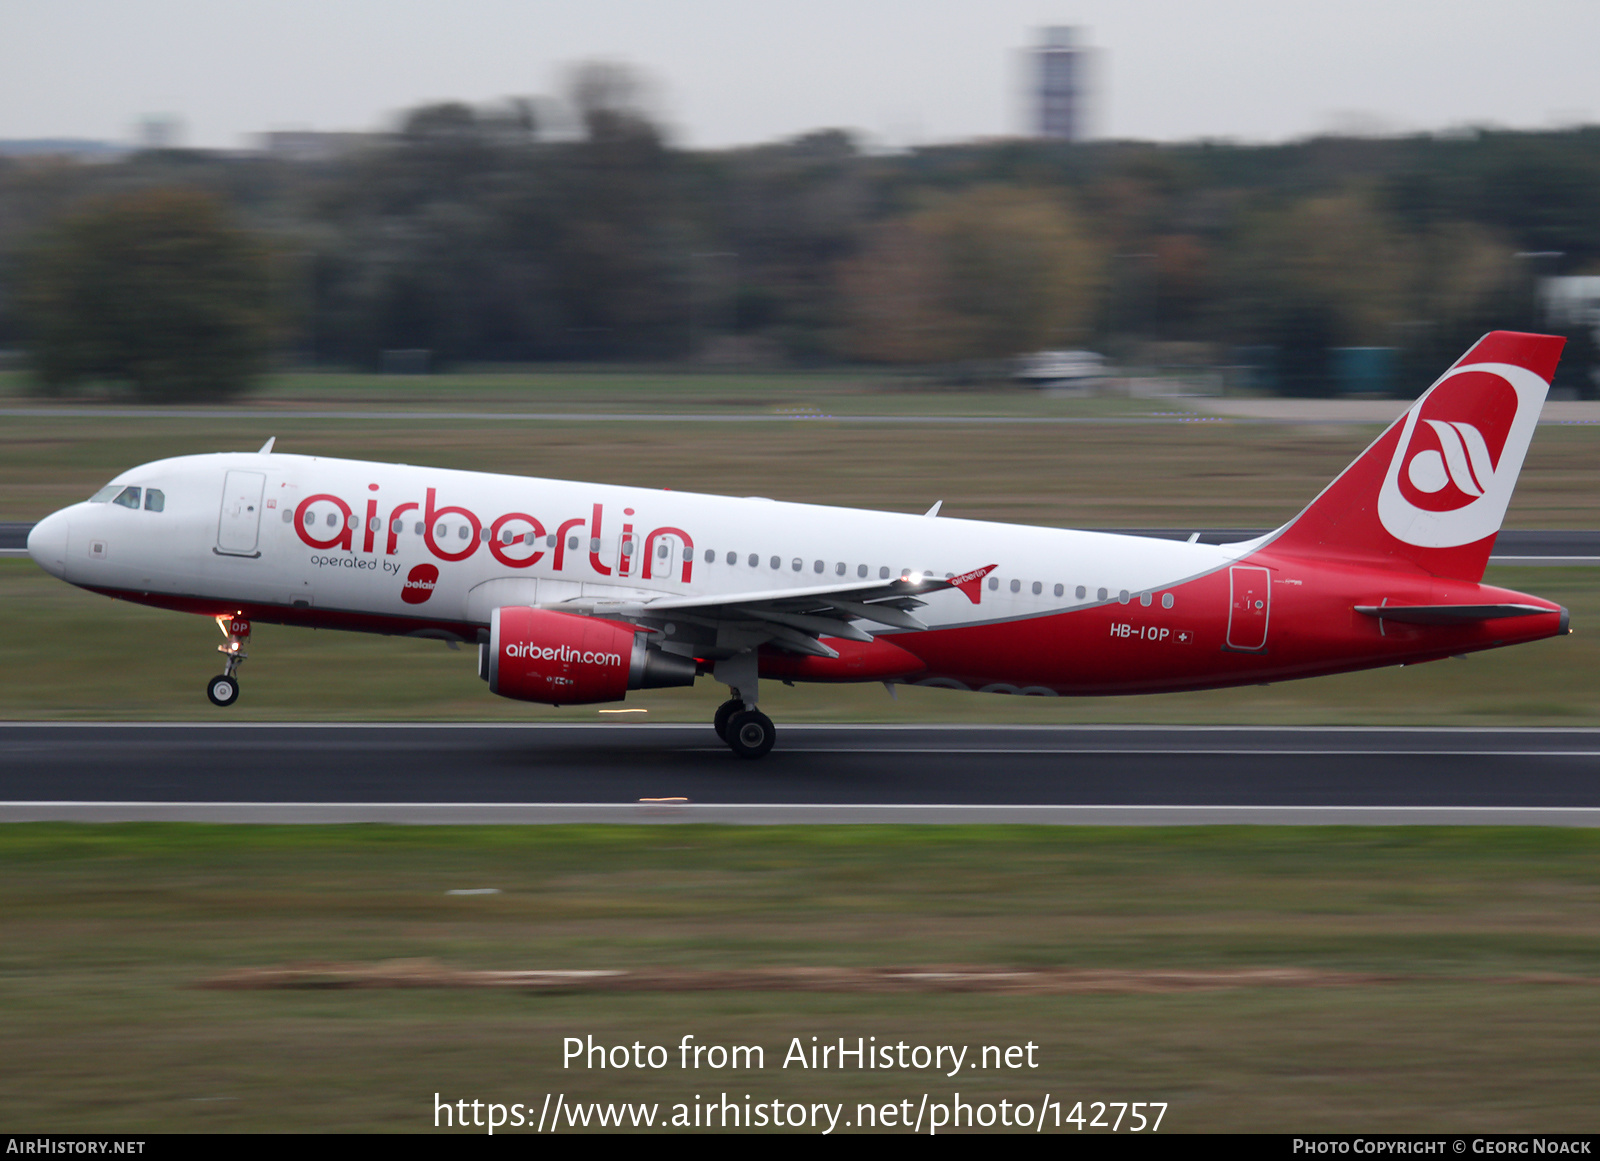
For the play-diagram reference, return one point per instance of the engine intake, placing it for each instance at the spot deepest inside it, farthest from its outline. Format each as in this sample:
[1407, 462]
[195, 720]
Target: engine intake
[563, 659]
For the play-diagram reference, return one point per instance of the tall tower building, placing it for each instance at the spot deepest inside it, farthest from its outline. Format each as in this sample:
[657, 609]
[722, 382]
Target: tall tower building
[1058, 86]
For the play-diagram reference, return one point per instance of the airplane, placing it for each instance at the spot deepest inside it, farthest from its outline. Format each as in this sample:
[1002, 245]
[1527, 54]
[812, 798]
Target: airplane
[577, 593]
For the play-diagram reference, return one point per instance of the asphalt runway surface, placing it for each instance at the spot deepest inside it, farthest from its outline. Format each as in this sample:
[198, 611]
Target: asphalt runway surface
[644, 772]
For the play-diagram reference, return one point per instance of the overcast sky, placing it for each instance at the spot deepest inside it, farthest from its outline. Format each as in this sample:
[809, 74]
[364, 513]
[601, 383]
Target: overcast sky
[728, 72]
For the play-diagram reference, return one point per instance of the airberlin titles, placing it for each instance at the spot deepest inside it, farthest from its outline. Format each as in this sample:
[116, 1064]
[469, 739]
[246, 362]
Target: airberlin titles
[528, 531]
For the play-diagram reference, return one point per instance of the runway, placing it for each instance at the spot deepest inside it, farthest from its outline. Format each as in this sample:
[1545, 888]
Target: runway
[473, 773]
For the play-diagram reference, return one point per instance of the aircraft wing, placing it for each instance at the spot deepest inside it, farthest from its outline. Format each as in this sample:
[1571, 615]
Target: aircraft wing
[792, 619]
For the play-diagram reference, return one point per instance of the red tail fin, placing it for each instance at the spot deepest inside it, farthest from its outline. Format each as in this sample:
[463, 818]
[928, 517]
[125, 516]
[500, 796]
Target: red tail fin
[1433, 489]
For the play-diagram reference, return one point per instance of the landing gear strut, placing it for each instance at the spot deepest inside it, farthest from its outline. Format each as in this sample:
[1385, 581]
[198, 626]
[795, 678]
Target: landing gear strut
[223, 689]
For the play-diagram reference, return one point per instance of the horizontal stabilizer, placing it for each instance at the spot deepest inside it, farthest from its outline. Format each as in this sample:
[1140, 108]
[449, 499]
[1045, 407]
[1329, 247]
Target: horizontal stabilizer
[1448, 614]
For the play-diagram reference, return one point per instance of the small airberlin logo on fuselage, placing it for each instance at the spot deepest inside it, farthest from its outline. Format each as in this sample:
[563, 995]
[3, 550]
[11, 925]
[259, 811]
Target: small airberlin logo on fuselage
[1459, 454]
[420, 583]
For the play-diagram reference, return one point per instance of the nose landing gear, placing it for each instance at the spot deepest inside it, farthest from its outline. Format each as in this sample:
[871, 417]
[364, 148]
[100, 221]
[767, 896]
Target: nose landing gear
[223, 689]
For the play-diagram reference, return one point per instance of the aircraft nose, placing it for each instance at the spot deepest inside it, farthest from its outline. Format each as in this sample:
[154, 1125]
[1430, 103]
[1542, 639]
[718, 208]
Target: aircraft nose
[47, 544]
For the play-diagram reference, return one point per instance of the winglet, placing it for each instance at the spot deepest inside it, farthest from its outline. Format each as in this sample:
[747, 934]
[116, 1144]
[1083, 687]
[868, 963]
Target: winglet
[266, 448]
[971, 583]
[934, 511]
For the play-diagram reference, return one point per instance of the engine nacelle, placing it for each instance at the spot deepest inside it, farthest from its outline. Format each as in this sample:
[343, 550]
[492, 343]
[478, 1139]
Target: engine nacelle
[564, 659]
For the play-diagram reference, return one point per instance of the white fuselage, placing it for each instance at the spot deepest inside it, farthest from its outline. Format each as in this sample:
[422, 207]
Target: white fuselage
[332, 534]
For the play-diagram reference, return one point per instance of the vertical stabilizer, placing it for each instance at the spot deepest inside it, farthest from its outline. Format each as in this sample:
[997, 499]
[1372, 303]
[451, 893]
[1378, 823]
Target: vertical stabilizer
[1432, 490]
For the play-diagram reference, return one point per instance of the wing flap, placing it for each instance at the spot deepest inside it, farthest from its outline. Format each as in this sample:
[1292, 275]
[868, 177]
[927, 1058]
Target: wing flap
[796, 618]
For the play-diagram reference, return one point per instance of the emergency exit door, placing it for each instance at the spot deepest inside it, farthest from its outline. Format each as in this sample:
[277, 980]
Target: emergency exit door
[1250, 591]
[239, 528]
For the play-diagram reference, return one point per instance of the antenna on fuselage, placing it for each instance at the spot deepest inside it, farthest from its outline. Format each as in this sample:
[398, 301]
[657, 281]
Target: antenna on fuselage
[266, 448]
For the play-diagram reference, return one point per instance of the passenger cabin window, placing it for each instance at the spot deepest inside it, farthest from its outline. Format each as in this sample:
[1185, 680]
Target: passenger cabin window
[1082, 592]
[1016, 586]
[861, 570]
[1100, 594]
[128, 498]
[883, 573]
[155, 500]
[1037, 588]
[733, 558]
[711, 556]
[1061, 590]
[1166, 600]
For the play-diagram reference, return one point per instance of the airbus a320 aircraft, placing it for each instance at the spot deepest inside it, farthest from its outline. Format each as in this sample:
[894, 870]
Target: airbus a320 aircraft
[577, 593]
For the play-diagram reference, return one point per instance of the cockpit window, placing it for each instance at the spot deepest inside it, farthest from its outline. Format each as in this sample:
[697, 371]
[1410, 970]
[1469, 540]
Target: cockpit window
[155, 500]
[103, 496]
[128, 498]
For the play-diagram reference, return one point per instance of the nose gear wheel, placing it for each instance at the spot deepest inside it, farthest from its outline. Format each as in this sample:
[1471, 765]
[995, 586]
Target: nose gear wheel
[223, 690]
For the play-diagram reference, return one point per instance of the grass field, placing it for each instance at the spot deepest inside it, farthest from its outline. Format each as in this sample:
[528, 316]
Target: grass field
[1215, 475]
[614, 390]
[109, 929]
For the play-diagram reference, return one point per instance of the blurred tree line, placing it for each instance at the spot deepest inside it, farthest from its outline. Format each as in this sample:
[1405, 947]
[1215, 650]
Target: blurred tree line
[575, 230]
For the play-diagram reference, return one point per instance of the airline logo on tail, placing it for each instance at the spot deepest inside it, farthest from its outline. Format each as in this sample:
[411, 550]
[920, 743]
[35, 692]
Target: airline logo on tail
[1459, 455]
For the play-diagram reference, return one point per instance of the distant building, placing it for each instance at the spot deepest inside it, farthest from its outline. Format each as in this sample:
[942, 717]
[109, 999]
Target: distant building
[160, 131]
[78, 149]
[310, 146]
[1059, 67]
[1571, 301]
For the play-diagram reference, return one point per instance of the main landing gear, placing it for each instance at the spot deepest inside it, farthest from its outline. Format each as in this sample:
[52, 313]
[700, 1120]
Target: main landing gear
[223, 689]
[748, 732]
